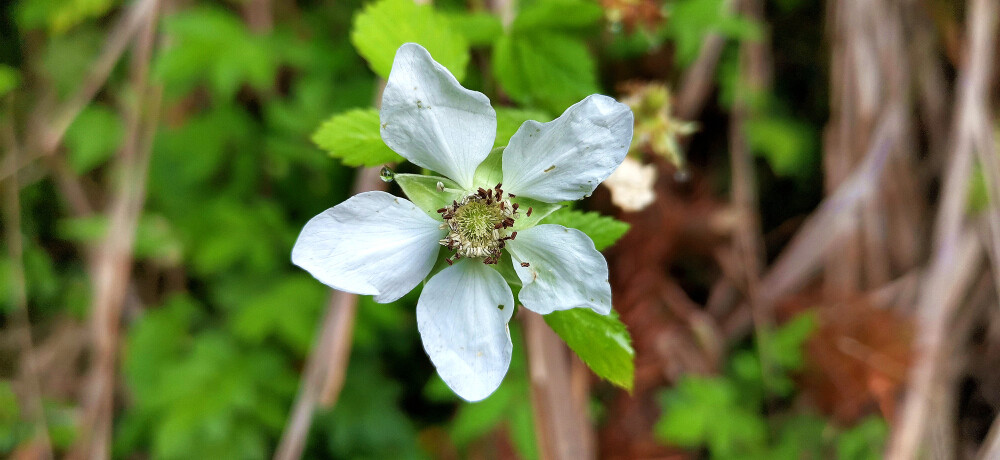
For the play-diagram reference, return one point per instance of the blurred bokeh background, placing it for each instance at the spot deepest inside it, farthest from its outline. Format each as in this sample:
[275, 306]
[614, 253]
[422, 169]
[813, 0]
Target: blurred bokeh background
[810, 269]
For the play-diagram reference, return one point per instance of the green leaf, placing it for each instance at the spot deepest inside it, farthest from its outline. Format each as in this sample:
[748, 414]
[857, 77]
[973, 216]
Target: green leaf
[423, 192]
[600, 341]
[287, 311]
[708, 411]
[213, 46]
[604, 230]
[545, 69]
[509, 120]
[9, 79]
[368, 420]
[93, 137]
[386, 25]
[479, 29]
[787, 144]
[691, 20]
[784, 345]
[62, 15]
[154, 236]
[354, 138]
[566, 15]
[866, 440]
[67, 57]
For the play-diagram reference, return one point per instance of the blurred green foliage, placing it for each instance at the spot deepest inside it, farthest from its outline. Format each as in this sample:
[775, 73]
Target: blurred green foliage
[728, 414]
[212, 368]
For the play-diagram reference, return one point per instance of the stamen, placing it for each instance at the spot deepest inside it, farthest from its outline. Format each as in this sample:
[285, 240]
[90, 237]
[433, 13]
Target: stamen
[477, 225]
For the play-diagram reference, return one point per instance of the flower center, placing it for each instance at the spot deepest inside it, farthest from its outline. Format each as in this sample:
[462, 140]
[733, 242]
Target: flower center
[477, 225]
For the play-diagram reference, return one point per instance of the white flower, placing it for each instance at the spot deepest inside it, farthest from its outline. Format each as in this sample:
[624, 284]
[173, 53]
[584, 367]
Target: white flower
[631, 185]
[377, 244]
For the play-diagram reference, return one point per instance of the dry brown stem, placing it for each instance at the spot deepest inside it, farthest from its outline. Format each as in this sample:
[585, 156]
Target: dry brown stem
[48, 129]
[113, 259]
[326, 368]
[561, 425]
[955, 250]
[21, 323]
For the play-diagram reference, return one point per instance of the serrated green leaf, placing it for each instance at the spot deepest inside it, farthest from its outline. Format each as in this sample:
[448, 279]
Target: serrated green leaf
[354, 138]
[286, 311]
[558, 15]
[479, 29]
[545, 69]
[604, 230]
[601, 341]
[213, 46]
[9, 79]
[423, 192]
[382, 27]
[709, 411]
[509, 120]
[93, 137]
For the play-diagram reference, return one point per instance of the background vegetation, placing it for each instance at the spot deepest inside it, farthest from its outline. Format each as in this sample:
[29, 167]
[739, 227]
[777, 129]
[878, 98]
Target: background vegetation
[815, 276]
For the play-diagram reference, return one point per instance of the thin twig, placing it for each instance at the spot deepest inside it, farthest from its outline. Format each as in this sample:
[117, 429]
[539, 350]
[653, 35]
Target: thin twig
[942, 287]
[113, 262]
[836, 214]
[696, 85]
[326, 368]
[748, 239]
[20, 319]
[48, 129]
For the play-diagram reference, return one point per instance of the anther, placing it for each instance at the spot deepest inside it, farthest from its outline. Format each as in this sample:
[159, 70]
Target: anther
[525, 264]
[529, 211]
[442, 210]
[514, 206]
[513, 235]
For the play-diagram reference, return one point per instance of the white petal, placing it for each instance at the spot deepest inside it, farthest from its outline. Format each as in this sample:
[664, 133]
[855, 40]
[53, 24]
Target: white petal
[373, 243]
[431, 120]
[462, 316]
[566, 158]
[564, 270]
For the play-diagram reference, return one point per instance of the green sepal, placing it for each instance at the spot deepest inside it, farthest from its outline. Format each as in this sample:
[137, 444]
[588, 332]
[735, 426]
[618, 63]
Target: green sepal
[423, 192]
[539, 211]
[489, 173]
[506, 269]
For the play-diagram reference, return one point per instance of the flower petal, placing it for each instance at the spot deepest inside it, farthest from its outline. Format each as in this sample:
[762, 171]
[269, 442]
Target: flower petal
[462, 317]
[373, 243]
[431, 120]
[564, 270]
[565, 159]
